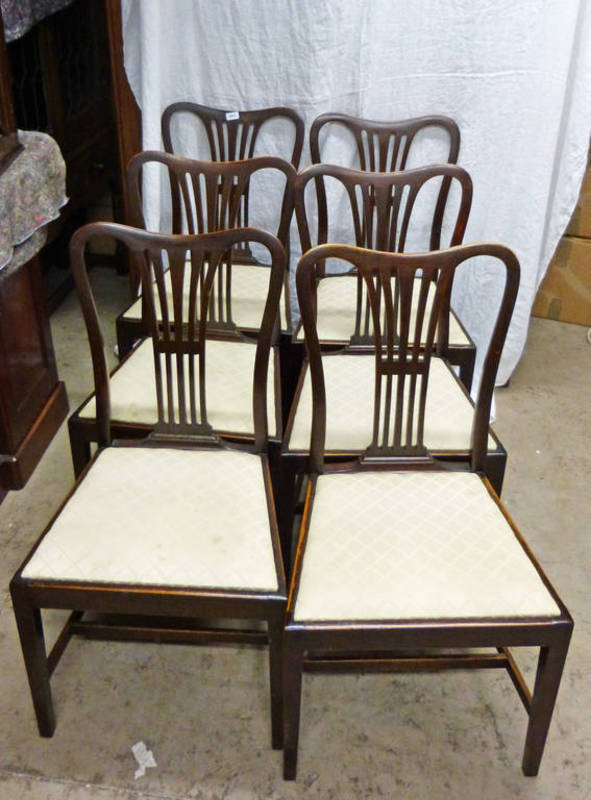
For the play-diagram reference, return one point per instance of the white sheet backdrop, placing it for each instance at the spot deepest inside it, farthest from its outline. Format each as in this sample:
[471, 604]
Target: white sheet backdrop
[516, 76]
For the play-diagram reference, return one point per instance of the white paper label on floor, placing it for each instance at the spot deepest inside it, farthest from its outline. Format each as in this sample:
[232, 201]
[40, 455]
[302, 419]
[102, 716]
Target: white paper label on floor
[144, 757]
[232, 115]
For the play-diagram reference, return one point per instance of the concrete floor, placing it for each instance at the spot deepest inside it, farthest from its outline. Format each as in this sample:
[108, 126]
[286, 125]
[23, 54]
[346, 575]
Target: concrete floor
[204, 711]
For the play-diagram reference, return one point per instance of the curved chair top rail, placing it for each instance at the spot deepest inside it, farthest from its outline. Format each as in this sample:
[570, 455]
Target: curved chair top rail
[218, 203]
[384, 146]
[382, 203]
[179, 338]
[232, 135]
[402, 368]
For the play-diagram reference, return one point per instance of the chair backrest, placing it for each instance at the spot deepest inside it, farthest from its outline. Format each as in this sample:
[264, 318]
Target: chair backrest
[180, 335]
[232, 135]
[381, 204]
[211, 196]
[381, 207]
[387, 147]
[404, 342]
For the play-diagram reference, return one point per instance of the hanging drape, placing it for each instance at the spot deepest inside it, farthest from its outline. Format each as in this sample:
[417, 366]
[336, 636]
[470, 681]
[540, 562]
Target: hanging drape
[515, 76]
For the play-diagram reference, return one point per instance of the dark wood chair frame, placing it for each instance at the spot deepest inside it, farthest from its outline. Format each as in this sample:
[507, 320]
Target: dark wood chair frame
[386, 147]
[219, 209]
[162, 613]
[401, 645]
[233, 139]
[376, 203]
[220, 204]
[233, 135]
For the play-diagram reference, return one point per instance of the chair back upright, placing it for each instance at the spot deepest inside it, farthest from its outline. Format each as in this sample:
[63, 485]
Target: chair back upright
[399, 326]
[181, 332]
[387, 147]
[381, 207]
[232, 135]
[210, 196]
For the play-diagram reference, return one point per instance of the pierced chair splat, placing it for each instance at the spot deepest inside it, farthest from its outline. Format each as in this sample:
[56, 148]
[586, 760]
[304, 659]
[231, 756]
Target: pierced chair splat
[160, 537]
[231, 135]
[210, 195]
[379, 211]
[389, 147]
[226, 136]
[401, 564]
[384, 146]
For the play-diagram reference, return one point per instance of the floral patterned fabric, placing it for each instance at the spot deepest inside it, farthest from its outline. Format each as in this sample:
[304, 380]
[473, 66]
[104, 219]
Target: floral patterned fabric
[24, 252]
[32, 191]
[20, 15]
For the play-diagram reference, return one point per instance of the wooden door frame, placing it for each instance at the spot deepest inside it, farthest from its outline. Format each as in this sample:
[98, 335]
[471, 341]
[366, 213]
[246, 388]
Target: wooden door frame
[128, 116]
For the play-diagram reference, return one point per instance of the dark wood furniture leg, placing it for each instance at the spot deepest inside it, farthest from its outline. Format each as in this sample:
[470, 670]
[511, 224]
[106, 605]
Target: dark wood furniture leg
[275, 633]
[464, 358]
[292, 698]
[128, 332]
[284, 471]
[550, 665]
[496, 463]
[30, 630]
[80, 439]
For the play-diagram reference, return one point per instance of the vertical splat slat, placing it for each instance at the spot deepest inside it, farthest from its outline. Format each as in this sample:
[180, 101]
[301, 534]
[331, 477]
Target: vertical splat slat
[389, 356]
[196, 261]
[408, 209]
[392, 166]
[198, 221]
[213, 197]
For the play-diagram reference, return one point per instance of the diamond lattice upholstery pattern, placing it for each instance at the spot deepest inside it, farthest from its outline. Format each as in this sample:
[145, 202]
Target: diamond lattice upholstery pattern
[166, 517]
[349, 382]
[414, 545]
[337, 301]
[250, 285]
[229, 381]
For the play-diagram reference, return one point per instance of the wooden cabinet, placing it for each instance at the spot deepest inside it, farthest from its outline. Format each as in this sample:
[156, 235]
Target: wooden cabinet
[33, 402]
[61, 84]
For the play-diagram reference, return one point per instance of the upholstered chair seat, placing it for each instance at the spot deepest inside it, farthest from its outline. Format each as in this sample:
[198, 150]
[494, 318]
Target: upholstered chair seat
[349, 383]
[230, 368]
[166, 517]
[250, 284]
[414, 545]
[337, 301]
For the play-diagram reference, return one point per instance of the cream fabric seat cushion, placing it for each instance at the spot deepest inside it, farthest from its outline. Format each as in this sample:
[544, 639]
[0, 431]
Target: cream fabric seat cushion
[337, 301]
[167, 517]
[250, 286]
[229, 380]
[349, 383]
[414, 545]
